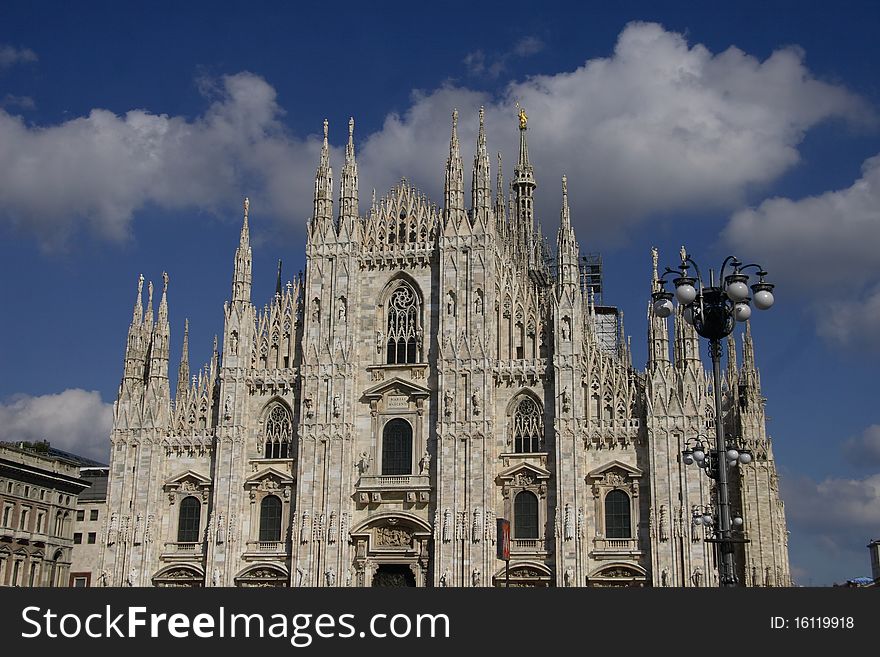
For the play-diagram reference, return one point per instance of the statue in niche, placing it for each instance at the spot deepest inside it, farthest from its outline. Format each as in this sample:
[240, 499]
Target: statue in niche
[336, 405]
[478, 303]
[569, 576]
[316, 310]
[341, 314]
[448, 403]
[307, 402]
[566, 329]
[330, 576]
[425, 462]
[215, 577]
[476, 576]
[664, 577]
[475, 402]
[445, 578]
[697, 577]
[131, 580]
[104, 578]
[363, 463]
[566, 400]
[300, 576]
[450, 303]
[233, 343]
[664, 524]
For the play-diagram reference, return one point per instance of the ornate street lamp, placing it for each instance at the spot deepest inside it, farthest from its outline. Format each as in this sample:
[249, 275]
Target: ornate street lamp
[713, 310]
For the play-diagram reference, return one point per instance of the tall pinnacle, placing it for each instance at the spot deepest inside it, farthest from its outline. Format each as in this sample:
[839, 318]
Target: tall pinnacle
[242, 276]
[348, 188]
[524, 188]
[454, 188]
[183, 370]
[138, 314]
[480, 184]
[566, 246]
[500, 218]
[163, 303]
[323, 206]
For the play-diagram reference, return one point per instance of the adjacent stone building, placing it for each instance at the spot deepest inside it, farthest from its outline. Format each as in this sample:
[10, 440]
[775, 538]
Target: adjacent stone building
[88, 528]
[435, 368]
[38, 499]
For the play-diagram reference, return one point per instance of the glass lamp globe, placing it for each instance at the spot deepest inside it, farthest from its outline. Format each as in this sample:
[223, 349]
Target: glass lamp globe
[702, 463]
[698, 520]
[685, 293]
[737, 521]
[745, 458]
[663, 308]
[741, 312]
[688, 458]
[707, 519]
[732, 454]
[737, 291]
[763, 299]
[699, 454]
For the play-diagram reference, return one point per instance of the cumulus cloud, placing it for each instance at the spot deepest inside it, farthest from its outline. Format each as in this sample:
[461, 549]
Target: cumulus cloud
[659, 126]
[824, 243]
[10, 56]
[864, 450]
[831, 521]
[75, 420]
[103, 167]
[492, 65]
[22, 102]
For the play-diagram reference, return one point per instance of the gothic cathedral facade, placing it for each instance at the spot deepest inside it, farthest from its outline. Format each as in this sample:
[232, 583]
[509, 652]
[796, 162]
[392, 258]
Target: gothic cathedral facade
[433, 370]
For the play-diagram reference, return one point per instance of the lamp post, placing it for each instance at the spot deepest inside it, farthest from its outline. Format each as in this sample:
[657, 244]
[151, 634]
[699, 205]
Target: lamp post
[713, 311]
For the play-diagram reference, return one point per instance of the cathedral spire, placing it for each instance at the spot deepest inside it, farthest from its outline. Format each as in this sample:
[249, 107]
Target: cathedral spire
[278, 281]
[658, 331]
[323, 205]
[524, 187]
[453, 196]
[163, 303]
[183, 372]
[242, 276]
[481, 195]
[566, 245]
[138, 314]
[348, 188]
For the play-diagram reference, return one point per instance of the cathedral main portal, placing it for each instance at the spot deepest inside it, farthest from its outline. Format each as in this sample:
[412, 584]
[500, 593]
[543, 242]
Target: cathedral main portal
[394, 574]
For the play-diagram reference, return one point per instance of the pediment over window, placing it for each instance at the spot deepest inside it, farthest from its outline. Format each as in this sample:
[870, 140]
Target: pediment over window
[614, 470]
[397, 386]
[270, 480]
[187, 483]
[524, 472]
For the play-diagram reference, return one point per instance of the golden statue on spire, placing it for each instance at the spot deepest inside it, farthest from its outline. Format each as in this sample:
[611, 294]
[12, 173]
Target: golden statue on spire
[523, 119]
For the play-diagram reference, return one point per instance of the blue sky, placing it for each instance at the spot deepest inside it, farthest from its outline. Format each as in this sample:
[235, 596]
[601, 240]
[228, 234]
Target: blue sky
[130, 134]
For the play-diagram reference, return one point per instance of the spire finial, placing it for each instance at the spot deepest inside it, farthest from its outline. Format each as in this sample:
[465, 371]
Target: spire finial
[482, 113]
[655, 258]
[523, 118]
[350, 127]
[564, 186]
[326, 129]
[278, 281]
[138, 314]
[164, 283]
[454, 119]
[247, 206]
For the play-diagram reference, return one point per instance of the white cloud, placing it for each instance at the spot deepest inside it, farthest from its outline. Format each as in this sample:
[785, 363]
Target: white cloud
[103, 167]
[75, 420]
[479, 64]
[831, 521]
[10, 55]
[864, 450]
[658, 126]
[527, 46]
[22, 102]
[823, 246]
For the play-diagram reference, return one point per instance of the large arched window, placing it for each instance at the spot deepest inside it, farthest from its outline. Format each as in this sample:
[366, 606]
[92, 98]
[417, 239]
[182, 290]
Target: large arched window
[279, 429]
[270, 519]
[188, 520]
[528, 426]
[617, 522]
[397, 448]
[403, 328]
[525, 515]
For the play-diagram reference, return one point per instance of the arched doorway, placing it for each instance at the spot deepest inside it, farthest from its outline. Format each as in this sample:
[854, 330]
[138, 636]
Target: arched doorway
[394, 575]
